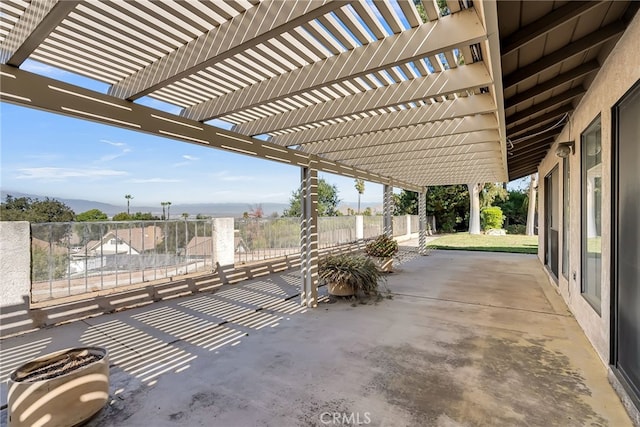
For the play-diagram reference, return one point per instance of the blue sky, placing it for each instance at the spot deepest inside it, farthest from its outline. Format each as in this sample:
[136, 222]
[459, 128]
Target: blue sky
[58, 156]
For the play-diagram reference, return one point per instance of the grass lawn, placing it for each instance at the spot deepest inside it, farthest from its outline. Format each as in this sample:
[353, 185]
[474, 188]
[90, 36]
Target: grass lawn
[515, 243]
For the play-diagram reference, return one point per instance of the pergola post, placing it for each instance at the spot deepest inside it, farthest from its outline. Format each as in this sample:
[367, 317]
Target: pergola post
[387, 210]
[309, 236]
[474, 214]
[422, 214]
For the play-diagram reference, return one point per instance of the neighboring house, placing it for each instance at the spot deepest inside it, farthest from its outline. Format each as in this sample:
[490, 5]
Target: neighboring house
[55, 248]
[203, 246]
[200, 246]
[132, 241]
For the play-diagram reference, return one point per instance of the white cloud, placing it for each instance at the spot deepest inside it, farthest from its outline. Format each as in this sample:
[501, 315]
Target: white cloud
[63, 173]
[188, 162]
[115, 144]
[225, 176]
[153, 180]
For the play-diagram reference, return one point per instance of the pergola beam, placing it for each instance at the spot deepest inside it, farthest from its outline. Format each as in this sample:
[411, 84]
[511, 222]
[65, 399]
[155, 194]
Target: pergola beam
[266, 20]
[440, 130]
[545, 24]
[566, 52]
[365, 161]
[460, 141]
[545, 118]
[549, 103]
[34, 26]
[553, 83]
[437, 84]
[34, 91]
[428, 39]
[451, 109]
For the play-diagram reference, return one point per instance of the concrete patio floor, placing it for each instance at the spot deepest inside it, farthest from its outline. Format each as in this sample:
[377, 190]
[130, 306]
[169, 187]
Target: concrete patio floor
[468, 339]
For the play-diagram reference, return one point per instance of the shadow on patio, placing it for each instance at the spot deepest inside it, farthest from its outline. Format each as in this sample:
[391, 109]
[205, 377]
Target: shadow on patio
[467, 339]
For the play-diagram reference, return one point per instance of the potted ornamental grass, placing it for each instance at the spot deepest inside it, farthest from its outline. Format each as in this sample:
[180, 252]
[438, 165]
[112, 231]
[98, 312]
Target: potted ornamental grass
[382, 249]
[349, 274]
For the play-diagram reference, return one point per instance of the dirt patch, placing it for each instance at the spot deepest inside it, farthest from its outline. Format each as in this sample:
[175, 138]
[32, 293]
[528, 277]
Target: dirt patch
[56, 366]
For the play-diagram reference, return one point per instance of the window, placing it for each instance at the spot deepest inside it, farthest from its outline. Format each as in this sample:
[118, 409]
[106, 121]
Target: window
[591, 170]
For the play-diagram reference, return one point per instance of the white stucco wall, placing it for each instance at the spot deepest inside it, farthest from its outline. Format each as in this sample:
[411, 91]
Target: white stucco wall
[617, 75]
[15, 262]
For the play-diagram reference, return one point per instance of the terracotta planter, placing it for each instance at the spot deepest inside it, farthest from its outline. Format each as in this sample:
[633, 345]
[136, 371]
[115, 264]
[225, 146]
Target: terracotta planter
[77, 390]
[384, 264]
[340, 289]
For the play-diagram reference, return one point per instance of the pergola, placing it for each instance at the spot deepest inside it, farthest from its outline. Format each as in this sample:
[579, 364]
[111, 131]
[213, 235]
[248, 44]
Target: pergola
[406, 94]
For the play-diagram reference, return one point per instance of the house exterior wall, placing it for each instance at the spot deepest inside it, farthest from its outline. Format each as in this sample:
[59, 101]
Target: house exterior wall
[618, 74]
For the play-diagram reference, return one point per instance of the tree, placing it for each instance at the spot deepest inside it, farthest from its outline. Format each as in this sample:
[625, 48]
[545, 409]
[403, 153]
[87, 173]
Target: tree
[449, 204]
[185, 215]
[256, 211]
[360, 190]
[35, 210]
[138, 216]
[327, 201]
[165, 213]
[405, 203]
[128, 197]
[92, 215]
[490, 192]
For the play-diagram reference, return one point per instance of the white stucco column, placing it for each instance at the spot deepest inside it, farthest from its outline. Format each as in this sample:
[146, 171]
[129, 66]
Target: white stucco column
[387, 210]
[531, 212]
[474, 208]
[359, 227]
[422, 215]
[15, 262]
[309, 236]
[223, 241]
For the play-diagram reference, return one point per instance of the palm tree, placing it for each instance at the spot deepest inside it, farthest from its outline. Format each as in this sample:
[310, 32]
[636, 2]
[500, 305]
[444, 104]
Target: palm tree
[128, 197]
[168, 209]
[185, 215]
[164, 205]
[360, 189]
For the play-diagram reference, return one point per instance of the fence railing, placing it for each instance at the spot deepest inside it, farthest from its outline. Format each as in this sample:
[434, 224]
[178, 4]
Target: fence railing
[257, 239]
[373, 226]
[399, 225]
[75, 258]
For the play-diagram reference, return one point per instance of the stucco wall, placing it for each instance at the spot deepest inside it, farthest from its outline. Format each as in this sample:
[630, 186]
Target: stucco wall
[15, 262]
[617, 75]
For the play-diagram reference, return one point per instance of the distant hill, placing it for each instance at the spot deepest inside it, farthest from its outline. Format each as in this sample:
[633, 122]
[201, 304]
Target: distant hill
[212, 209]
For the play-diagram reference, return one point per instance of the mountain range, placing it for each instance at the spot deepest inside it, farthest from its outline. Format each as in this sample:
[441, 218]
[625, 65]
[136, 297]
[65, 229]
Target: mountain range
[212, 209]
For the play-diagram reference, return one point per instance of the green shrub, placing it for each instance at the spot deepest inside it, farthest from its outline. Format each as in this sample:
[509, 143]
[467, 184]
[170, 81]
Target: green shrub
[516, 229]
[383, 247]
[492, 218]
[356, 271]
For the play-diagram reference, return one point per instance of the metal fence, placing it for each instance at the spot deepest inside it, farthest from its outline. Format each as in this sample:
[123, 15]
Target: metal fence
[399, 225]
[415, 223]
[257, 239]
[373, 226]
[75, 258]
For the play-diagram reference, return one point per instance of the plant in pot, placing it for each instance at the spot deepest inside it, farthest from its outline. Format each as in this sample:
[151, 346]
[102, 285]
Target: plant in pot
[349, 274]
[382, 249]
